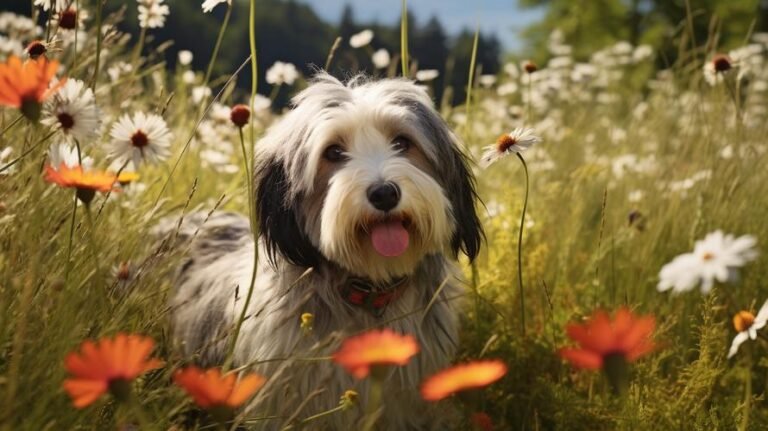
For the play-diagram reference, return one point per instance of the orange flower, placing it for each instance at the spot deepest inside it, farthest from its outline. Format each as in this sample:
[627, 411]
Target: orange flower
[109, 364]
[383, 347]
[211, 390]
[627, 337]
[25, 85]
[461, 377]
[86, 183]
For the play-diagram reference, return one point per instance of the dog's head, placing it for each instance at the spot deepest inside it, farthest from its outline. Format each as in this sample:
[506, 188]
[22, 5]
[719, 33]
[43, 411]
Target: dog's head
[365, 175]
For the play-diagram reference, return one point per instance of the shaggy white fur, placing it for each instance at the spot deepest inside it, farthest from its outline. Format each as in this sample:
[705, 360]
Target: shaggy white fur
[316, 171]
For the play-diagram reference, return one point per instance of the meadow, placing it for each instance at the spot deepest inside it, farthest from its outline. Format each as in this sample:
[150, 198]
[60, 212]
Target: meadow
[636, 168]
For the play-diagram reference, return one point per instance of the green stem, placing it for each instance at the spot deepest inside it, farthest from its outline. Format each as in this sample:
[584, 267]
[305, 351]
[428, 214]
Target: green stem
[216, 47]
[520, 246]
[249, 181]
[373, 405]
[744, 425]
[71, 236]
[314, 417]
[29, 150]
[13, 123]
[98, 45]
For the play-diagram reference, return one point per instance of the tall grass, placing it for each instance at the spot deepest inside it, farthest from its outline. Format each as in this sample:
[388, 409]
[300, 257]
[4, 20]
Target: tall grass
[634, 167]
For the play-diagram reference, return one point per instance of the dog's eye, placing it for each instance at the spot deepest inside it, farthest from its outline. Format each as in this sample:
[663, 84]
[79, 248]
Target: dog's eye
[401, 144]
[334, 153]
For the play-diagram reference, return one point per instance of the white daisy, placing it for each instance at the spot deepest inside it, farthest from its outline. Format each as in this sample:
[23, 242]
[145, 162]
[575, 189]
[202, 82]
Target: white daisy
[282, 73]
[361, 39]
[152, 13]
[208, 5]
[717, 68]
[427, 75]
[145, 137]
[487, 80]
[381, 59]
[747, 324]
[73, 110]
[516, 141]
[56, 5]
[65, 153]
[716, 257]
[200, 93]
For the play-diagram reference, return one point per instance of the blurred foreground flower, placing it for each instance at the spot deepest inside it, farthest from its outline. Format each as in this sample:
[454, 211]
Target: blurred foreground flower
[217, 393]
[427, 75]
[716, 257]
[747, 326]
[25, 85]
[610, 345]
[516, 141]
[375, 348]
[87, 183]
[109, 364]
[143, 137]
[73, 110]
[471, 375]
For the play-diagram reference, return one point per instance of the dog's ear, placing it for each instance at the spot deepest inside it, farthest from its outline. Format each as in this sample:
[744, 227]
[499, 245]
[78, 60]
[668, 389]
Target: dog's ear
[462, 193]
[278, 223]
[457, 179]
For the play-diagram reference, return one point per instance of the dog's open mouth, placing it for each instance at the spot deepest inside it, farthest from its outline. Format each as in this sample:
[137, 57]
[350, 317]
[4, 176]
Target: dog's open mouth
[390, 237]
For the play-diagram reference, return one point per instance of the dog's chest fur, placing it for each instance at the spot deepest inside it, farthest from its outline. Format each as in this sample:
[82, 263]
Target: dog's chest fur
[211, 290]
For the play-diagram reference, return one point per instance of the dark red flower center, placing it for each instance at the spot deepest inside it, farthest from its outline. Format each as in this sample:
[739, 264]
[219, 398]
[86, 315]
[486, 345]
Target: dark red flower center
[530, 67]
[68, 19]
[139, 139]
[722, 63]
[66, 120]
[36, 49]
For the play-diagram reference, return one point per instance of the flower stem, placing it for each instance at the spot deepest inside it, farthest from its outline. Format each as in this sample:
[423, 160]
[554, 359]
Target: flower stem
[71, 235]
[373, 405]
[249, 182]
[13, 123]
[314, 417]
[99, 5]
[29, 150]
[520, 246]
[216, 47]
[744, 425]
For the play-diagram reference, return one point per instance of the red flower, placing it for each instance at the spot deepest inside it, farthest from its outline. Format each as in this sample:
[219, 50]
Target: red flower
[210, 389]
[109, 364]
[627, 336]
[385, 347]
[471, 375]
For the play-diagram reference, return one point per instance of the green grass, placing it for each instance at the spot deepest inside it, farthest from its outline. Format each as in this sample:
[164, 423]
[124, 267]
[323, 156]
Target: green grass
[579, 252]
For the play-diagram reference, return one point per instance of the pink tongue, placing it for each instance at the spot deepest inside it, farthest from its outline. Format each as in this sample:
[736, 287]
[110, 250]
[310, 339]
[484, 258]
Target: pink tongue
[390, 239]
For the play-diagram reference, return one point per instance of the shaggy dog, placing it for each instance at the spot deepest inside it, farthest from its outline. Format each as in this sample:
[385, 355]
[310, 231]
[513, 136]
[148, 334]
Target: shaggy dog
[364, 203]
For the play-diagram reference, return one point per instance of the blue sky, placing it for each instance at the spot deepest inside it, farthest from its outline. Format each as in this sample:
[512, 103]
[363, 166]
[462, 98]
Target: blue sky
[502, 17]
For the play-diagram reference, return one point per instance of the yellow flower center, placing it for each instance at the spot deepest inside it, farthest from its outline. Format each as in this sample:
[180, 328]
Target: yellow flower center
[743, 320]
[708, 256]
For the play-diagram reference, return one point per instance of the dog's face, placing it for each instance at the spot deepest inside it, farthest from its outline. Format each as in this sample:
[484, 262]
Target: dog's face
[366, 176]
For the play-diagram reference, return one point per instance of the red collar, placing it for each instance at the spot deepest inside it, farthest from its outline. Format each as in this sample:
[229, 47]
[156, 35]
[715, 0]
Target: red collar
[373, 297]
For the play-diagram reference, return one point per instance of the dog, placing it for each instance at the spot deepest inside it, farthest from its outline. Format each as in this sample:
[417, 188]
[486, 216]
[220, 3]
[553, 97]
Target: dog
[365, 201]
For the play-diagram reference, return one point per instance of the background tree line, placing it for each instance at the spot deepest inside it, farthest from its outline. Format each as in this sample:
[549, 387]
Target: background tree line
[290, 31]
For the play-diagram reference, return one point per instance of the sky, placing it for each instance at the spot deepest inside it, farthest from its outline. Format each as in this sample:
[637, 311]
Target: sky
[501, 17]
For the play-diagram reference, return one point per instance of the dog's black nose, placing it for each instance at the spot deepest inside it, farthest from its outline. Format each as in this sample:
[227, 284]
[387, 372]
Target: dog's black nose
[384, 196]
